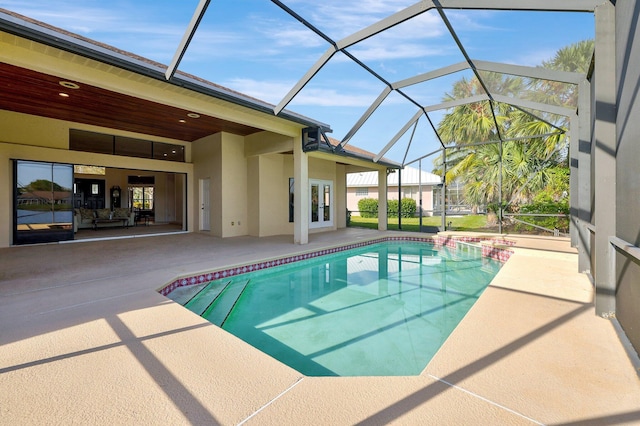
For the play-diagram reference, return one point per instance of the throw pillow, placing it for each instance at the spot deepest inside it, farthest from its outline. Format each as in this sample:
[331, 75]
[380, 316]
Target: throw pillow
[121, 212]
[103, 213]
[86, 214]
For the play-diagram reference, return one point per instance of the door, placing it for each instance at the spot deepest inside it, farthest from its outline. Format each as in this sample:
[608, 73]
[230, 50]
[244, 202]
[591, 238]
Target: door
[205, 206]
[321, 192]
[90, 194]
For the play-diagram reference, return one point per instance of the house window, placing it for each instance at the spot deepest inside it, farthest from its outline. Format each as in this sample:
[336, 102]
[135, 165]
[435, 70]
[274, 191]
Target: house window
[81, 140]
[141, 190]
[362, 192]
[142, 197]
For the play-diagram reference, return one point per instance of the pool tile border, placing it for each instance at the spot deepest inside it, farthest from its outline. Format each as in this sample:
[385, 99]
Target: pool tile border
[492, 248]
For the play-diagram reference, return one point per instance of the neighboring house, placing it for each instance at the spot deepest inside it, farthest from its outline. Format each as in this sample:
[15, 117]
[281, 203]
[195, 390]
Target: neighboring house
[198, 155]
[365, 185]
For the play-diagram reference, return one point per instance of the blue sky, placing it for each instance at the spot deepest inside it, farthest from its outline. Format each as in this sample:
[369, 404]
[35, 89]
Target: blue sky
[254, 47]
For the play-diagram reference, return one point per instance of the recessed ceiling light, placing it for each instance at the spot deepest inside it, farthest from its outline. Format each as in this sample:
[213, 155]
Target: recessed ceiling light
[193, 115]
[173, 151]
[69, 85]
[64, 95]
[182, 121]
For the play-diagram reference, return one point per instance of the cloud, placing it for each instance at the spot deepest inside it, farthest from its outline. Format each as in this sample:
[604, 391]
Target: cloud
[274, 91]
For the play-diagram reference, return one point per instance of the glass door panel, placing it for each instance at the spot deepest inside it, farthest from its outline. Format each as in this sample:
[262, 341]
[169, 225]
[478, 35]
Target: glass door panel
[43, 202]
[315, 205]
[321, 193]
[327, 203]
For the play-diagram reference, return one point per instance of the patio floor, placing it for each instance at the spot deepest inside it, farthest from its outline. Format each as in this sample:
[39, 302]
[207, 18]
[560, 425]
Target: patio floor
[86, 339]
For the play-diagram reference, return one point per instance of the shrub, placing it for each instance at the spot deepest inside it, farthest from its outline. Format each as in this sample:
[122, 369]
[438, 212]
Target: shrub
[549, 207]
[392, 208]
[368, 207]
[408, 207]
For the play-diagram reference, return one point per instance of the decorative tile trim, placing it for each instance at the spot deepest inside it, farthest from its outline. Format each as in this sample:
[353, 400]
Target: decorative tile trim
[449, 241]
[497, 253]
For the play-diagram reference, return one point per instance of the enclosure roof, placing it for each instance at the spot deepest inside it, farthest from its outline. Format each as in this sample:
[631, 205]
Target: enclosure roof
[411, 176]
[381, 73]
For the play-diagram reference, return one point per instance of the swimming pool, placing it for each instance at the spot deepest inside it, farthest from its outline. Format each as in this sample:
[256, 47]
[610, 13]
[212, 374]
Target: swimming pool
[379, 310]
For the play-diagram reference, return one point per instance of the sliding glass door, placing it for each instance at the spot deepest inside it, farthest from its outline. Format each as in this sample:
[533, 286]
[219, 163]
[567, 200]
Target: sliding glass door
[43, 202]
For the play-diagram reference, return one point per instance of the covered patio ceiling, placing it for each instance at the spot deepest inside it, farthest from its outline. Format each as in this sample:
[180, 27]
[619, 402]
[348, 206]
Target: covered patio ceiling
[31, 92]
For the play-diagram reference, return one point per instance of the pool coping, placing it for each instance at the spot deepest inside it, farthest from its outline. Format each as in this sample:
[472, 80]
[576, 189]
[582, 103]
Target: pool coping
[107, 348]
[496, 248]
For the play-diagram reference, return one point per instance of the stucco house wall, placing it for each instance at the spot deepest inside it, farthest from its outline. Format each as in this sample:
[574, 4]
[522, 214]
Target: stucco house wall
[248, 175]
[413, 181]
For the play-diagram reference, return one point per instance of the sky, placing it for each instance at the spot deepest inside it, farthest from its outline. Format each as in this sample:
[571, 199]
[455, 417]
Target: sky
[256, 48]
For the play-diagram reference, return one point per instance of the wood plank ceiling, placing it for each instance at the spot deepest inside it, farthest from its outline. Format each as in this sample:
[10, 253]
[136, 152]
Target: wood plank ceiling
[30, 92]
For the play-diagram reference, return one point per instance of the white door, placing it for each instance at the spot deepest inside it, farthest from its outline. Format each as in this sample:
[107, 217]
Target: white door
[321, 192]
[205, 206]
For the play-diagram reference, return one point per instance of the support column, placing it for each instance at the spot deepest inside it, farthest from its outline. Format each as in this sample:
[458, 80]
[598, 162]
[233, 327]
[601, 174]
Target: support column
[400, 199]
[443, 216]
[605, 157]
[574, 194]
[382, 200]
[300, 193]
[584, 177]
[500, 212]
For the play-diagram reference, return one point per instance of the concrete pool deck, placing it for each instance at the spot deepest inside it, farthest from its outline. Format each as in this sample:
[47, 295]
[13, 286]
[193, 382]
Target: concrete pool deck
[86, 339]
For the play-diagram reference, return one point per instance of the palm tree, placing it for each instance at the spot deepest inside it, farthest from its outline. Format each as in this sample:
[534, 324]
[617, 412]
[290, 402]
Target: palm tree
[524, 164]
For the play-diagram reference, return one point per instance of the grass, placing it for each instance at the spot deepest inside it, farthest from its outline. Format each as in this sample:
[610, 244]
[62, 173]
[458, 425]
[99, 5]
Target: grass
[458, 223]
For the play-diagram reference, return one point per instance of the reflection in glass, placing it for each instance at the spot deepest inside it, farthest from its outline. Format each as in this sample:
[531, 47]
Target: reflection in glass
[43, 202]
[327, 203]
[314, 203]
[291, 205]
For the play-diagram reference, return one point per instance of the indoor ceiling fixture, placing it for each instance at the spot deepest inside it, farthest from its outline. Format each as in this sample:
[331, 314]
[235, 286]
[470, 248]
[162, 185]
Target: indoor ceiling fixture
[69, 85]
[193, 115]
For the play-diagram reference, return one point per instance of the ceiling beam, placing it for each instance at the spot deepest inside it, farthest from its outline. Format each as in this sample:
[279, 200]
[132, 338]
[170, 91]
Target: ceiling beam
[398, 136]
[305, 79]
[440, 72]
[198, 14]
[536, 106]
[383, 95]
[457, 102]
[525, 5]
[530, 72]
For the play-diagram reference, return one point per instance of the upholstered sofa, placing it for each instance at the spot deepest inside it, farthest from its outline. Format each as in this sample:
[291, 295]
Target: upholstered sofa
[85, 218]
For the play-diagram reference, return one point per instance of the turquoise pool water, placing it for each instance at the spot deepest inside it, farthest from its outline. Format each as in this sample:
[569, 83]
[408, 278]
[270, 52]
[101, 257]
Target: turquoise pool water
[380, 310]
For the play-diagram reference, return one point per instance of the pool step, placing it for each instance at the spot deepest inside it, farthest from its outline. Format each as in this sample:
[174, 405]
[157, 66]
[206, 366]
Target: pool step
[185, 293]
[219, 309]
[201, 300]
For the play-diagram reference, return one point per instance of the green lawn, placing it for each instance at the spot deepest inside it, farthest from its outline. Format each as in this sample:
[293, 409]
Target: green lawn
[461, 223]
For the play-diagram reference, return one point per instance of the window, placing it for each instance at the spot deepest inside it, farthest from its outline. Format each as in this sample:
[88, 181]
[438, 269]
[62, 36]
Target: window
[89, 170]
[81, 140]
[362, 192]
[141, 190]
[142, 197]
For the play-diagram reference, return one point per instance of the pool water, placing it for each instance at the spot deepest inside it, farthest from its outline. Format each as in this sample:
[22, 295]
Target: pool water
[380, 310]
